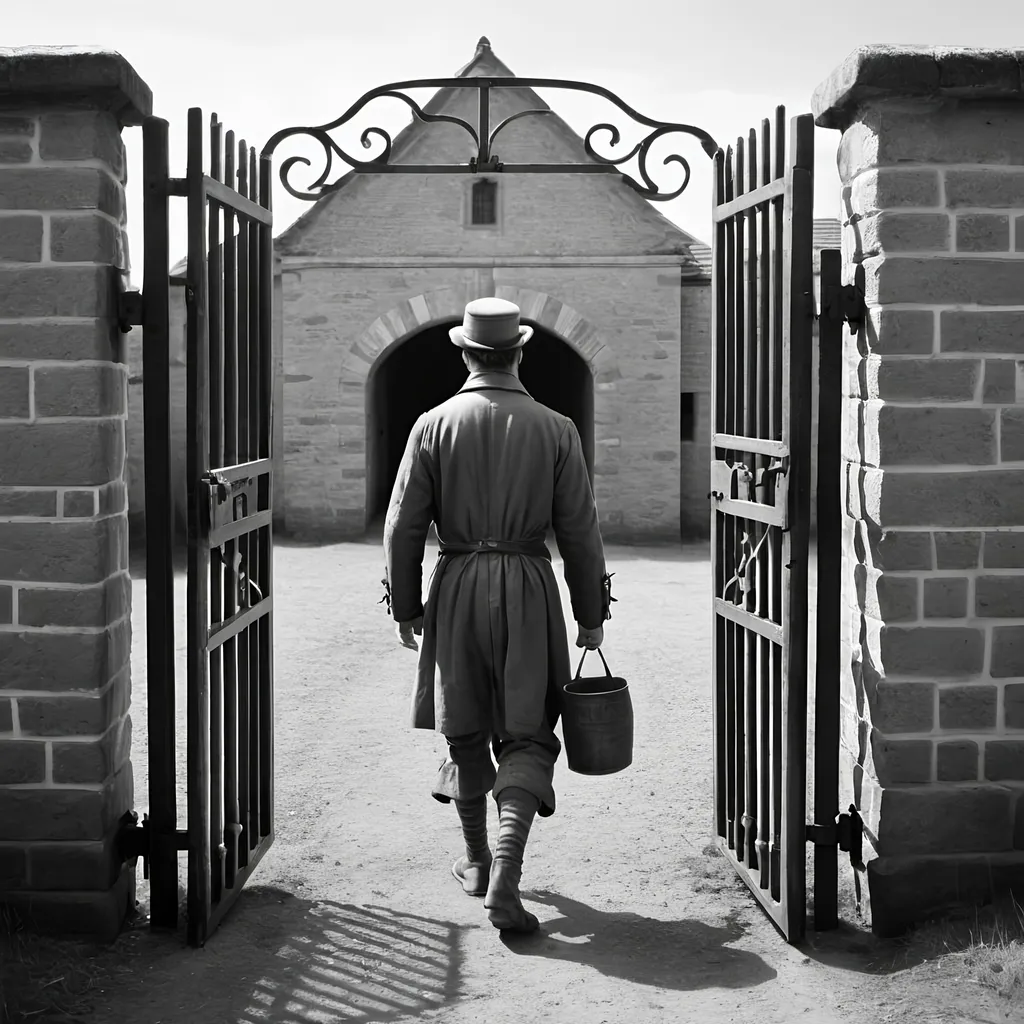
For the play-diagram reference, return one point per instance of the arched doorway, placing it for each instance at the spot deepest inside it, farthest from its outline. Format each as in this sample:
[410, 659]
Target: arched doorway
[426, 369]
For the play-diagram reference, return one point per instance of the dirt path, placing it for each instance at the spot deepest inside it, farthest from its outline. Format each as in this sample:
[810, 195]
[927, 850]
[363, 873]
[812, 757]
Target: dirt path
[353, 914]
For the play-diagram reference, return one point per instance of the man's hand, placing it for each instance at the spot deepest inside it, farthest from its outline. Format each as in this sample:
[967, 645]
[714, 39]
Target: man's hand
[590, 638]
[408, 631]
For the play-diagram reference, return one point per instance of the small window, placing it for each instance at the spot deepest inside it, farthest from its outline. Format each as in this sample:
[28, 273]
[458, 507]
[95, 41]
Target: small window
[485, 202]
[687, 416]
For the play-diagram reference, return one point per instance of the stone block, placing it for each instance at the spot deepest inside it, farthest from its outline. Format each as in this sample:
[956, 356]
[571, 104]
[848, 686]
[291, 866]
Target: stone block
[901, 331]
[69, 454]
[982, 330]
[79, 504]
[1003, 550]
[1000, 381]
[885, 597]
[96, 339]
[21, 238]
[967, 708]
[51, 291]
[943, 279]
[61, 716]
[934, 651]
[903, 707]
[86, 240]
[22, 761]
[92, 761]
[954, 819]
[95, 605]
[908, 436]
[996, 190]
[67, 551]
[82, 135]
[902, 761]
[1004, 760]
[60, 188]
[890, 231]
[15, 502]
[999, 597]
[957, 550]
[81, 390]
[14, 152]
[921, 380]
[13, 867]
[6, 604]
[64, 662]
[14, 392]
[1013, 706]
[945, 598]
[1011, 434]
[82, 867]
[1007, 652]
[902, 551]
[887, 188]
[957, 761]
[65, 814]
[6, 719]
[982, 232]
[985, 498]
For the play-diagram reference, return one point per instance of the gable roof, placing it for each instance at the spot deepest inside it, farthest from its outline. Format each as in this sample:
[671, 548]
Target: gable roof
[486, 64]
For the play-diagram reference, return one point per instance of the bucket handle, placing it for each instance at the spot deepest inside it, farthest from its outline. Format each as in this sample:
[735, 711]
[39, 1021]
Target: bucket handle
[579, 667]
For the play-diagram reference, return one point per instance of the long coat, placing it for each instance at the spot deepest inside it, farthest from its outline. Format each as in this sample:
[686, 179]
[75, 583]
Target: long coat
[491, 464]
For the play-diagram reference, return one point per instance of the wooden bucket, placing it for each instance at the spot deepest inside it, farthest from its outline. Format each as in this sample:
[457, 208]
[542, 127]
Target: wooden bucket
[597, 722]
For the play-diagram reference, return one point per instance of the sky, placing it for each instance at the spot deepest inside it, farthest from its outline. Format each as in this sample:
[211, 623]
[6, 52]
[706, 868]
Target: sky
[723, 67]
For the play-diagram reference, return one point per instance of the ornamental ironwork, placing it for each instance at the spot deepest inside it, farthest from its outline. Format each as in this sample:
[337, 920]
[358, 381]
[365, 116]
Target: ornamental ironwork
[486, 160]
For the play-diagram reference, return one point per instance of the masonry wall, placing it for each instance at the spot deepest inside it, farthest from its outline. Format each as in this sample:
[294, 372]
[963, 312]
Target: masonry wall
[695, 378]
[338, 322]
[65, 594]
[933, 690]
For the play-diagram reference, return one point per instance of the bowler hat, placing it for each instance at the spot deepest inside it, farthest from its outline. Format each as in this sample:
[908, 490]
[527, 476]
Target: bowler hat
[491, 325]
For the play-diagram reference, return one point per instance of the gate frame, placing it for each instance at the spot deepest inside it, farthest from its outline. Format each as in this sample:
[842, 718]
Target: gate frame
[158, 838]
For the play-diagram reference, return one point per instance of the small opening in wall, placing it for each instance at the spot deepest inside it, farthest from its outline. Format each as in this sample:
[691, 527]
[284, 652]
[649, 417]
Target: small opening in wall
[687, 415]
[485, 202]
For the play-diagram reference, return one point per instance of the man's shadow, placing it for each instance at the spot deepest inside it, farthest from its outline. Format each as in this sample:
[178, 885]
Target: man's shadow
[683, 955]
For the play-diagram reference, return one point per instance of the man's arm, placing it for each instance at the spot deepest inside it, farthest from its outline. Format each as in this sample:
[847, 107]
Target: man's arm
[410, 513]
[577, 532]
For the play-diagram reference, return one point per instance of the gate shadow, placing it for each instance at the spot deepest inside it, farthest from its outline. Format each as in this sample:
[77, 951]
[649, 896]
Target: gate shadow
[280, 959]
[681, 955]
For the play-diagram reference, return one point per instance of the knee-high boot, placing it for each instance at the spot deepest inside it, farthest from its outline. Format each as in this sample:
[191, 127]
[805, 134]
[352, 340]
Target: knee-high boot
[473, 868]
[516, 810]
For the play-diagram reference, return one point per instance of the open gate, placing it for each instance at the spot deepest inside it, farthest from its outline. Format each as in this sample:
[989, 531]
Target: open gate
[762, 321]
[228, 294]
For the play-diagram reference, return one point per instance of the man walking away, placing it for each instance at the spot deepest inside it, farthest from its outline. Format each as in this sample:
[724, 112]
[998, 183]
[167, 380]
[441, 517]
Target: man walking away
[494, 470]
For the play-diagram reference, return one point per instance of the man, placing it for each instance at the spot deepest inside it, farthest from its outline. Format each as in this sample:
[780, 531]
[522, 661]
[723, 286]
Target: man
[494, 470]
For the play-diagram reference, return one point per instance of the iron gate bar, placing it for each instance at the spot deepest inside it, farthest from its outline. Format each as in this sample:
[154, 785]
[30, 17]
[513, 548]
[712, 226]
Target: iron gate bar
[762, 318]
[485, 161]
[162, 857]
[829, 589]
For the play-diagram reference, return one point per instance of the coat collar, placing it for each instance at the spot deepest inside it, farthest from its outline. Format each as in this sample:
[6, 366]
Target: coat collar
[497, 380]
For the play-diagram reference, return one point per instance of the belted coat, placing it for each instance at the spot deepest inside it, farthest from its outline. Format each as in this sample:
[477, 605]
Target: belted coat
[492, 467]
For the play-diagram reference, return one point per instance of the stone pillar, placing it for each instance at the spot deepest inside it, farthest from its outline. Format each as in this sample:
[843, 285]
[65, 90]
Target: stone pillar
[932, 164]
[65, 593]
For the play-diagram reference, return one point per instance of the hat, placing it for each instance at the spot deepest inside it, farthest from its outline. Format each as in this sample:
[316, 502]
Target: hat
[491, 325]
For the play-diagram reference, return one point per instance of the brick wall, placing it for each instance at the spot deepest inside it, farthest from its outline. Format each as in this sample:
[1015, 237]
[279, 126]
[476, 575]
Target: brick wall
[65, 594]
[933, 746]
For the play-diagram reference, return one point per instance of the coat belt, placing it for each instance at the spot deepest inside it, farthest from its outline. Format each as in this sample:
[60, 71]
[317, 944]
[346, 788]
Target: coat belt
[537, 549]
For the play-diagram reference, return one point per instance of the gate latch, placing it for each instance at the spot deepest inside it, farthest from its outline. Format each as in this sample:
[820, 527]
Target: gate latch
[133, 839]
[129, 311]
[846, 303]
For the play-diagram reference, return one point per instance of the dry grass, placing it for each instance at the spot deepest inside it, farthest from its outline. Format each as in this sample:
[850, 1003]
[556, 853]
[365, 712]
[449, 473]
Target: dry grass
[48, 979]
[984, 946]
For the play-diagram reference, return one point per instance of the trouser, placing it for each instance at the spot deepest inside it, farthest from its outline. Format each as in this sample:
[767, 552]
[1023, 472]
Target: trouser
[527, 763]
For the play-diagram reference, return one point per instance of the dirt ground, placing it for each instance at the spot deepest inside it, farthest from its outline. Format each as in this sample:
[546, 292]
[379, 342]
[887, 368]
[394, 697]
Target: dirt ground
[354, 915]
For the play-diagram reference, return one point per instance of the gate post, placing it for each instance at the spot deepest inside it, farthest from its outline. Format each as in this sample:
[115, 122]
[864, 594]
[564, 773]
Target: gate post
[65, 592]
[932, 162]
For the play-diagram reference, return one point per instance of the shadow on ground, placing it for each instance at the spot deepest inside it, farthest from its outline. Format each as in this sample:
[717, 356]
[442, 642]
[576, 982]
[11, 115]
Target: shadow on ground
[285, 960]
[675, 955]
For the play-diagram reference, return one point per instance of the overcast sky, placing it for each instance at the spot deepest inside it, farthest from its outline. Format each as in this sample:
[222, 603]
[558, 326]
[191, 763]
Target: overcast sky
[722, 66]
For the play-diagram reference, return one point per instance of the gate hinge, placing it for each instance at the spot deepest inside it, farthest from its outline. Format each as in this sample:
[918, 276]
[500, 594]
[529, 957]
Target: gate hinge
[129, 310]
[135, 840]
[846, 832]
[846, 303]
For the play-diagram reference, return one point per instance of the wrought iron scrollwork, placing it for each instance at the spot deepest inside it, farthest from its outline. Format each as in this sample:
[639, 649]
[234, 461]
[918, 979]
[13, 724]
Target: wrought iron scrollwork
[483, 138]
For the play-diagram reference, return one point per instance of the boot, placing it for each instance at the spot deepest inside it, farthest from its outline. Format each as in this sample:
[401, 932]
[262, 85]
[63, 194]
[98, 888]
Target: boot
[505, 910]
[473, 868]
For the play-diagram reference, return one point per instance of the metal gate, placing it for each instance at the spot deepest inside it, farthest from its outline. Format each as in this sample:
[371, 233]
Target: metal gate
[762, 310]
[228, 293]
